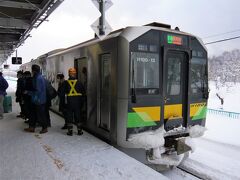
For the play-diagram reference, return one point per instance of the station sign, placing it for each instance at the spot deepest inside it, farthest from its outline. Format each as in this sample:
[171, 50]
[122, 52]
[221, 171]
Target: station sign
[16, 60]
[100, 26]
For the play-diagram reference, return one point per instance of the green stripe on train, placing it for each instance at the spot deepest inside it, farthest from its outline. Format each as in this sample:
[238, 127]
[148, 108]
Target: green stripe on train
[201, 113]
[139, 120]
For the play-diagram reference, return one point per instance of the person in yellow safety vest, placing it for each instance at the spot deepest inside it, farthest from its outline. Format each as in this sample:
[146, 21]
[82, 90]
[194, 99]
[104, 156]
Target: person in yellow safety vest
[73, 91]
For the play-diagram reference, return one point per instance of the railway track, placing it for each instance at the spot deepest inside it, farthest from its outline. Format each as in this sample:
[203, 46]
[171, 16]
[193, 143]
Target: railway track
[193, 173]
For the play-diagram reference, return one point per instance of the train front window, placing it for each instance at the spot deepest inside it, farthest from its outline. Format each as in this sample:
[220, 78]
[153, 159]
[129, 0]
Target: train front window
[145, 72]
[198, 76]
[174, 76]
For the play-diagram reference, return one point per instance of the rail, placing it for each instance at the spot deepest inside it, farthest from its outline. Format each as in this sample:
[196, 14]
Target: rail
[193, 173]
[233, 115]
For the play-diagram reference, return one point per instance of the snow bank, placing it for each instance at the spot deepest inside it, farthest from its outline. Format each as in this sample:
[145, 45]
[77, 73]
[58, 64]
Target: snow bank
[148, 139]
[170, 160]
[223, 129]
[196, 131]
[230, 94]
[175, 131]
[56, 156]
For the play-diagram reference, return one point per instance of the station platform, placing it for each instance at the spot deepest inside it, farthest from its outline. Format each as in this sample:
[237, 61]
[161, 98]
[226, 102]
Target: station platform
[56, 156]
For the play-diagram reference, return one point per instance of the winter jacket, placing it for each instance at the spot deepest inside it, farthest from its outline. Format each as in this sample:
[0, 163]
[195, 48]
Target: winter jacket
[73, 101]
[61, 95]
[3, 86]
[51, 93]
[39, 95]
[20, 89]
[28, 86]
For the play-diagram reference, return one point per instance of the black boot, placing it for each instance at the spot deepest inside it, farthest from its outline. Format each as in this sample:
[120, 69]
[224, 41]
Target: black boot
[70, 131]
[80, 132]
[44, 130]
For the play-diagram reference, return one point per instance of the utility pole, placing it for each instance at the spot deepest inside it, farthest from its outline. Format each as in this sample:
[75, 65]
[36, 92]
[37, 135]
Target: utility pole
[102, 18]
[100, 26]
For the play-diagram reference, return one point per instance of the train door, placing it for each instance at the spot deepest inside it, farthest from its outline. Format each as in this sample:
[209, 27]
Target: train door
[175, 89]
[81, 67]
[105, 93]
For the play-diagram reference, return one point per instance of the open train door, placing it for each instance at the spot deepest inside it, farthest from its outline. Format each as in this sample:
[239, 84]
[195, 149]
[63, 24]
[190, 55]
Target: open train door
[175, 87]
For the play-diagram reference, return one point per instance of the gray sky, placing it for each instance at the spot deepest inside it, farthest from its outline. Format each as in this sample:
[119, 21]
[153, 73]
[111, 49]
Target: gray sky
[70, 23]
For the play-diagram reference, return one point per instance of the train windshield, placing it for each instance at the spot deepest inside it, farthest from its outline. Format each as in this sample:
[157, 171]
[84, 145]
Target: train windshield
[174, 76]
[145, 72]
[198, 76]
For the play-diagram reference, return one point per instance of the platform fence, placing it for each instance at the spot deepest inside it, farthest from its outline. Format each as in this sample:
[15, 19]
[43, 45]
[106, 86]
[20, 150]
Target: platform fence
[229, 114]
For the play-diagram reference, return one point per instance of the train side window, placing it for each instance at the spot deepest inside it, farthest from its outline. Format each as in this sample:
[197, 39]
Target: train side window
[198, 76]
[145, 72]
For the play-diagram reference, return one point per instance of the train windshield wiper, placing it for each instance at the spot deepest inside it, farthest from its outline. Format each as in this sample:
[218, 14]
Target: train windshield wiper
[204, 86]
[133, 94]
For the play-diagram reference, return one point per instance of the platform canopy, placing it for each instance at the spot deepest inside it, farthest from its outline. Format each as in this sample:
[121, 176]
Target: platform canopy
[18, 18]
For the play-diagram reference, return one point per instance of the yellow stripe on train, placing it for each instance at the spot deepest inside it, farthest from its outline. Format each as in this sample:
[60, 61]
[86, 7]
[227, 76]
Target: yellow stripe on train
[194, 108]
[173, 110]
[153, 112]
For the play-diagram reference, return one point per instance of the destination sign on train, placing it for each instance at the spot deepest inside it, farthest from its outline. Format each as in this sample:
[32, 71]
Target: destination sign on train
[174, 40]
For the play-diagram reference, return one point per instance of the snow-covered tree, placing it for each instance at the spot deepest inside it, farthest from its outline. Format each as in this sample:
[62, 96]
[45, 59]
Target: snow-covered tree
[225, 68]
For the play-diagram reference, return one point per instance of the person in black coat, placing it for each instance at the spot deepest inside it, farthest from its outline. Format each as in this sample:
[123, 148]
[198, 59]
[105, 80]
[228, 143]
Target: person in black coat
[38, 98]
[74, 91]
[50, 94]
[3, 87]
[28, 86]
[61, 95]
[19, 93]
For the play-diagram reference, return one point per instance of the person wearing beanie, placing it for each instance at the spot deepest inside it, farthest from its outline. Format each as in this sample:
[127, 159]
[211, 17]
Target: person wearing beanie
[3, 88]
[74, 91]
[38, 97]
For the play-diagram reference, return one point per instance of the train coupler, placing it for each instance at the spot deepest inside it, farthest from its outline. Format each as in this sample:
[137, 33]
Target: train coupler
[181, 146]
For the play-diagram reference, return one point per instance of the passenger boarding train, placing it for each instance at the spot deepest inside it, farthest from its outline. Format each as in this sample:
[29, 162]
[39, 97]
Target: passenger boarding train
[138, 80]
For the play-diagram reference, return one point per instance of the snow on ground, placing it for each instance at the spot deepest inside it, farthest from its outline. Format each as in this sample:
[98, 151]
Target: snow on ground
[230, 93]
[55, 156]
[217, 153]
[215, 160]
[221, 128]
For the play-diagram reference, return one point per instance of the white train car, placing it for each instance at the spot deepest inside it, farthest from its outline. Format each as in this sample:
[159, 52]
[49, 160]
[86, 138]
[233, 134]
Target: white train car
[147, 88]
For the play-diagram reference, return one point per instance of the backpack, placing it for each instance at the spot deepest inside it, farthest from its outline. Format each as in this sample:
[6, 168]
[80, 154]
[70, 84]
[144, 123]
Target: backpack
[50, 91]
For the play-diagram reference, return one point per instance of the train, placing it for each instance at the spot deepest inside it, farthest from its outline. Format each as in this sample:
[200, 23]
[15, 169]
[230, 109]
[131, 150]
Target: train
[146, 88]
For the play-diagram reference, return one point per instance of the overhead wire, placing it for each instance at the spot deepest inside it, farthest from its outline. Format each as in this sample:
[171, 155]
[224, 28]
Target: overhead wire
[220, 34]
[222, 40]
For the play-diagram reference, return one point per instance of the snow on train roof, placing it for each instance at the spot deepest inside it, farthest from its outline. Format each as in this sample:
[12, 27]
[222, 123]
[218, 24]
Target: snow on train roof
[51, 52]
[130, 33]
[89, 42]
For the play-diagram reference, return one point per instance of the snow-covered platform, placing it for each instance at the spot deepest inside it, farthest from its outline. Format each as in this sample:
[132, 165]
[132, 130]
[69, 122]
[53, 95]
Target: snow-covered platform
[55, 155]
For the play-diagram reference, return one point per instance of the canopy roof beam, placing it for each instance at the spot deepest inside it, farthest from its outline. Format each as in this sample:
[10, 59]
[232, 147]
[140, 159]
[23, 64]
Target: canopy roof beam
[14, 23]
[21, 5]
